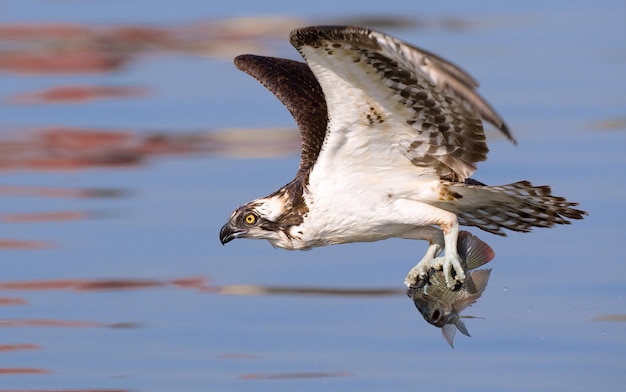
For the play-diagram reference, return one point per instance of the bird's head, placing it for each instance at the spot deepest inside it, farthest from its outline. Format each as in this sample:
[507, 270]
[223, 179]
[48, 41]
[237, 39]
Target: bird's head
[258, 219]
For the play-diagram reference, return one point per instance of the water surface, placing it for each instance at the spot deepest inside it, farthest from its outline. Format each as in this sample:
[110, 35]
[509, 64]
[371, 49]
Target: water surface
[127, 137]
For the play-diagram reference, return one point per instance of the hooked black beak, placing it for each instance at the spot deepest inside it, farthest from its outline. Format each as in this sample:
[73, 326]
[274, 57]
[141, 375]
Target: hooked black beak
[229, 233]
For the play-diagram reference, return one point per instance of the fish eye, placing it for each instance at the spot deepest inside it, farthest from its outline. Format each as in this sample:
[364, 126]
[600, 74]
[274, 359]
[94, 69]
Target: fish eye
[250, 219]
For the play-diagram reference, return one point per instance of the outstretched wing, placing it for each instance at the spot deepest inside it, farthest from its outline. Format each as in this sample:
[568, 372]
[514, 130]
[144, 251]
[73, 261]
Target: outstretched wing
[294, 84]
[381, 90]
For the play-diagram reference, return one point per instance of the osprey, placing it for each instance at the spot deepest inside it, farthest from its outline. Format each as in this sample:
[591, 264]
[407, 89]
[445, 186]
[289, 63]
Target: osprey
[390, 136]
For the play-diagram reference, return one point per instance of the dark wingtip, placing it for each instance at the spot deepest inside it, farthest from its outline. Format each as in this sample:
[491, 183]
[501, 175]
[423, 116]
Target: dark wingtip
[507, 132]
[242, 61]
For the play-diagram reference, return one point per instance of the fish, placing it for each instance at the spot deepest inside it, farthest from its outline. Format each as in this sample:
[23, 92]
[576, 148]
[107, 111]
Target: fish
[441, 306]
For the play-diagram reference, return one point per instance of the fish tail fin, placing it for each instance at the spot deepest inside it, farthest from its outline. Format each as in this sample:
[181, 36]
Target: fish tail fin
[448, 331]
[461, 327]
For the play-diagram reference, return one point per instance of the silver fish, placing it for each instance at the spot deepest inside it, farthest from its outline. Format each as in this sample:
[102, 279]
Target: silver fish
[441, 306]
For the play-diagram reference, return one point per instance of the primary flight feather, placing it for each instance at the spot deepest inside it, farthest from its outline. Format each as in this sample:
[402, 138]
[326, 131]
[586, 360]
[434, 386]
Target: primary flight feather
[390, 136]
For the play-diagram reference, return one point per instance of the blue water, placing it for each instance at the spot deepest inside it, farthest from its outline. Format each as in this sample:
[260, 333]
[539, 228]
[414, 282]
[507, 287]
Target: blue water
[96, 303]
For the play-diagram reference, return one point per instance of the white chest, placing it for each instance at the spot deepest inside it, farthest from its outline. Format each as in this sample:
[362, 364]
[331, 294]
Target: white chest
[360, 208]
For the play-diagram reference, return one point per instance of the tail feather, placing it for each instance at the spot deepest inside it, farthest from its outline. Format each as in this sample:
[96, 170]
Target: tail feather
[519, 206]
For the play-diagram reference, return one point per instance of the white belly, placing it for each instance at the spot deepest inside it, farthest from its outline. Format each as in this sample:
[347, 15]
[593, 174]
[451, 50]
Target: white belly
[364, 210]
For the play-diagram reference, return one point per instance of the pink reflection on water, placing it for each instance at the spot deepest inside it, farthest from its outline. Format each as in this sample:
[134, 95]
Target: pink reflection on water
[77, 94]
[19, 347]
[194, 283]
[58, 216]
[610, 317]
[65, 148]
[8, 301]
[7, 371]
[198, 283]
[61, 192]
[7, 243]
[50, 323]
[57, 62]
[54, 48]
[64, 390]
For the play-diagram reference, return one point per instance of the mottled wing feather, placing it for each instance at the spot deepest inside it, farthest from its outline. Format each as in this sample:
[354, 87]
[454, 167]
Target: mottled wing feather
[448, 76]
[423, 106]
[294, 84]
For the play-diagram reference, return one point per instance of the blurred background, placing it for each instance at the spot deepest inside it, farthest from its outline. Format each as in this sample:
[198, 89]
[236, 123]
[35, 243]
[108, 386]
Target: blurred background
[127, 137]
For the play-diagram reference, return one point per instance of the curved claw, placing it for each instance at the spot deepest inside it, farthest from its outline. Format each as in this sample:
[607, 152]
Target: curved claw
[421, 280]
[451, 263]
[420, 275]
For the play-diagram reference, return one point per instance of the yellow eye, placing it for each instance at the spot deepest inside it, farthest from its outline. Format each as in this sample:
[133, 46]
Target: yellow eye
[250, 219]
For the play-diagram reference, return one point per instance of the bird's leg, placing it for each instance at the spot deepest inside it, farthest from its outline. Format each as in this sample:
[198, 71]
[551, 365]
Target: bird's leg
[438, 240]
[418, 275]
[451, 259]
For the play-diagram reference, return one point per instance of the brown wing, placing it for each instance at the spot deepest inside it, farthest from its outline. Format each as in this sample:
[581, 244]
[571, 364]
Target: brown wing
[294, 84]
